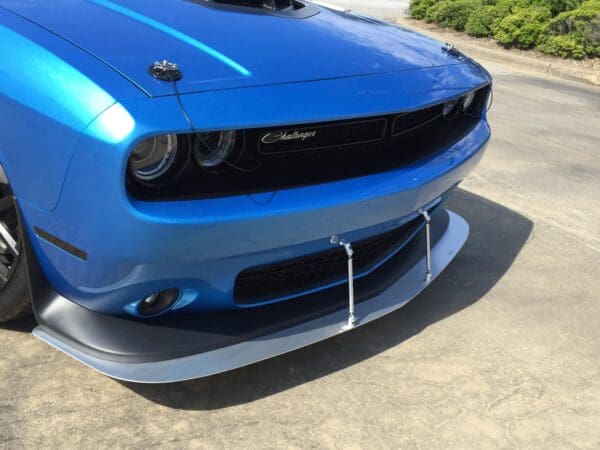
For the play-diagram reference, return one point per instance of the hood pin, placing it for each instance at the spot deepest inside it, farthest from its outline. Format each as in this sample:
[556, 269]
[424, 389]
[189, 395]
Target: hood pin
[165, 71]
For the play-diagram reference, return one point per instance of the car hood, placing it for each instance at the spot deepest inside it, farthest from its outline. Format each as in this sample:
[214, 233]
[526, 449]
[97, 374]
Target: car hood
[223, 48]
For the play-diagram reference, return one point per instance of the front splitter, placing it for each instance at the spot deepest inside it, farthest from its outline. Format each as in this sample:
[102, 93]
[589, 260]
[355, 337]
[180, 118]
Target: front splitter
[254, 350]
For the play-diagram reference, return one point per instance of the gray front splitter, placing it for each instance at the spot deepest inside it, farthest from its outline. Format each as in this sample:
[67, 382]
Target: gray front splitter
[259, 349]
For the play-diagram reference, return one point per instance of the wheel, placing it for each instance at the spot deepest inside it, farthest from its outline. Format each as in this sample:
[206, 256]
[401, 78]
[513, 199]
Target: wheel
[15, 295]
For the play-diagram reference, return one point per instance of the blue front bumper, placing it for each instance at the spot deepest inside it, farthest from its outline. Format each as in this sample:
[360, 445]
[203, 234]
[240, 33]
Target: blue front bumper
[136, 248]
[200, 247]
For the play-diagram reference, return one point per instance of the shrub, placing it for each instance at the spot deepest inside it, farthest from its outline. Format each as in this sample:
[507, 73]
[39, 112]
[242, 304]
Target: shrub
[485, 19]
[523, 27]
[563, 46]
[574, 33]
[579, 20]
[558, 6]
[452, 13]
[418, 8]
[481, 21]
[512, 6]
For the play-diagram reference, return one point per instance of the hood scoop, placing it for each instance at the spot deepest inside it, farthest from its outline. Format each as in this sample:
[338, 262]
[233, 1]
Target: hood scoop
[274, 5]
[291, 8]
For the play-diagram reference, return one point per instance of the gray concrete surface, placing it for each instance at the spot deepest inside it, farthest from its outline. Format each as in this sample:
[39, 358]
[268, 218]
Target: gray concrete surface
[381, 8]
[503, 351]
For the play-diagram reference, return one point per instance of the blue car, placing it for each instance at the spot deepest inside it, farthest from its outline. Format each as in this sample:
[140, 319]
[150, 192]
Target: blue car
[191, 186]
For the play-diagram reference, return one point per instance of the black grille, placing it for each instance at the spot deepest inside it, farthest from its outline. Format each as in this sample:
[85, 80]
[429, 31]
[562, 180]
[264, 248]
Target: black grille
[406, 122]
[320, 153]
[293, 277]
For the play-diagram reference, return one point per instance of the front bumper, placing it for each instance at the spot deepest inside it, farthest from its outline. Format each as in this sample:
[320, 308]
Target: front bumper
[136, 248]
[112, 342]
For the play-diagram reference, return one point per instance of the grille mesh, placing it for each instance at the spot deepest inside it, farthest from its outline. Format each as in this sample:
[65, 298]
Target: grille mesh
[296, 276]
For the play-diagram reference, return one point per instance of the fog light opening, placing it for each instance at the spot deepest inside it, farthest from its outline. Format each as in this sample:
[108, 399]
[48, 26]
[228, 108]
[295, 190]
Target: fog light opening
[158, 302]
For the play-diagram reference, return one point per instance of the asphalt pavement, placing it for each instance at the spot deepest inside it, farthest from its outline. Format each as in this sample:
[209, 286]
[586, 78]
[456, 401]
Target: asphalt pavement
[502, 351]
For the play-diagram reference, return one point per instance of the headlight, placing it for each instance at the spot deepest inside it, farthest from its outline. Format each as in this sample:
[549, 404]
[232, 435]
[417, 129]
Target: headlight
[214, 149]
[450, 108]
[467, 101]
[153, 157]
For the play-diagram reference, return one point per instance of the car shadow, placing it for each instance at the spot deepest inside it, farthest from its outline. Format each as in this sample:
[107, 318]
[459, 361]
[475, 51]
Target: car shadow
[24, 325]
[497, 236]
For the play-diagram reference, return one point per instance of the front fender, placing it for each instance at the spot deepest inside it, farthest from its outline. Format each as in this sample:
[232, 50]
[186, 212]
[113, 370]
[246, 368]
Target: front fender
[50, 92]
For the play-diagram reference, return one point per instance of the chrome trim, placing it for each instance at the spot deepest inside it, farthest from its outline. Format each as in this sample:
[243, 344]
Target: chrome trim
[351, 309]
[427, 219]
[259, 349]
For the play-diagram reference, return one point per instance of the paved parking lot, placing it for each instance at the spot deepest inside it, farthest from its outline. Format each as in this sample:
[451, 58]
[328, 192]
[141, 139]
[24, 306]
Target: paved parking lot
[502, 351]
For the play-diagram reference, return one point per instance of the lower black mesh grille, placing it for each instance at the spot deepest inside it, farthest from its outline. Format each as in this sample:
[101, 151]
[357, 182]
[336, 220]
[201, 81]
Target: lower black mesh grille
[296, 276]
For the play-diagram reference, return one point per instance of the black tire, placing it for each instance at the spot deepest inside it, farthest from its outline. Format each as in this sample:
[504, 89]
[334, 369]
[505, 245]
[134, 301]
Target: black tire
[15, 293]
[15, 296]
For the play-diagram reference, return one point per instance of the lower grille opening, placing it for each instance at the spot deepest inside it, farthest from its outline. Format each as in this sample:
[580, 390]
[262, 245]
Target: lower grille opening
[297, 276]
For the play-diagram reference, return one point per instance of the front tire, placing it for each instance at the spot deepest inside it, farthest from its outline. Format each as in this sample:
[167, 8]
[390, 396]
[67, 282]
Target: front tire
[15, 293]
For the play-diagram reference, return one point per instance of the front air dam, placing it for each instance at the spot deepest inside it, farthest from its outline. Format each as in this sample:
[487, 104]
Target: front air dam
[125, 349]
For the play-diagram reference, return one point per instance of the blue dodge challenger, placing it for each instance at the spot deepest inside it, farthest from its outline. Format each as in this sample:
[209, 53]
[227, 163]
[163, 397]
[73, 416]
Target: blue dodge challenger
[190, 186]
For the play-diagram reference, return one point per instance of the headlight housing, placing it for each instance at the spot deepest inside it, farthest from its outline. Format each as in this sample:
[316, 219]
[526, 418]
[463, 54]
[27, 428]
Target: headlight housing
[154, 157]
[467, 101]
[223, 162]
[214, 149]
[451, 108]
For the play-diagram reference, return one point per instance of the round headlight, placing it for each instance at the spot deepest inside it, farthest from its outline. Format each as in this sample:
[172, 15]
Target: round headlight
[467, 101]
[153, 157]
[450, 108]
[212, 149]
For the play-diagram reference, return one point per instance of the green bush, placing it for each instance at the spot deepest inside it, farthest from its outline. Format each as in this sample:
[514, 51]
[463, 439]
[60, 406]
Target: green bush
[512, 6]
[565, 28]
[418, 8]
[452, 13]
[482, 21]
[563, 46]
[523, 27]
[574, 33]
[580, 20]
[558, 6]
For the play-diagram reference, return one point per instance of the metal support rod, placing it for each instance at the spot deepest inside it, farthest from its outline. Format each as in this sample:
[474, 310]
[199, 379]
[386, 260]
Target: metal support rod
[427, 218]
[349, 253]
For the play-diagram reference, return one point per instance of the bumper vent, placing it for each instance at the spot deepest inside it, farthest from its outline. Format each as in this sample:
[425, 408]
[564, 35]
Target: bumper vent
[295, 277]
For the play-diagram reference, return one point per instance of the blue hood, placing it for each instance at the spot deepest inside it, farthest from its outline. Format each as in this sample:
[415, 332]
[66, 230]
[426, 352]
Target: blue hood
[222, 49]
